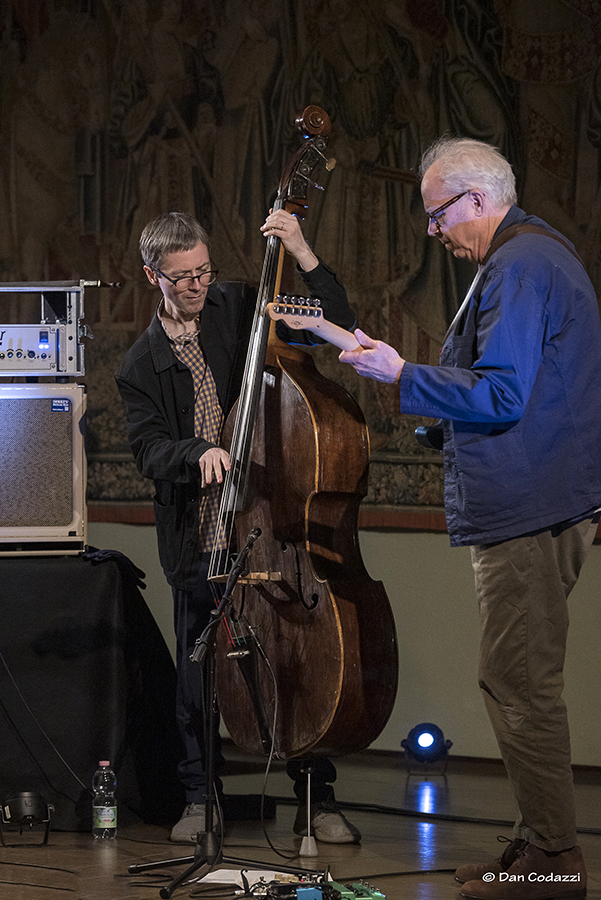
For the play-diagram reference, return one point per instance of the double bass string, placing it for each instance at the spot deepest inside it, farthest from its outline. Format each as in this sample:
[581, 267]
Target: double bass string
[236, 479]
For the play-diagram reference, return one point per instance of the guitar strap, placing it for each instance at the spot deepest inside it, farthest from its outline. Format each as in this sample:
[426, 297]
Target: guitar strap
[511, 232]
[514, 230]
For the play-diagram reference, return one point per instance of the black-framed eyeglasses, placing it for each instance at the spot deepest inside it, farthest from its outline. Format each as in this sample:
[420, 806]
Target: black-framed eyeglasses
[186, 281]
[435, 216]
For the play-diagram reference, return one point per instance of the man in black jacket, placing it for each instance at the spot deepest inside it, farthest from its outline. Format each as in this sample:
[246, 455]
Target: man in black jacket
[179, 381]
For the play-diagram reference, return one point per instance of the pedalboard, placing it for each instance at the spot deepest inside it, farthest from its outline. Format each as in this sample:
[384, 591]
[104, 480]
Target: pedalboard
[315, 889]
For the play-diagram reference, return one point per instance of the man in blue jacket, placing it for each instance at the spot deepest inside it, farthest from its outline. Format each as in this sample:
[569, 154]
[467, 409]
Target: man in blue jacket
[519, 392]
[179, 381]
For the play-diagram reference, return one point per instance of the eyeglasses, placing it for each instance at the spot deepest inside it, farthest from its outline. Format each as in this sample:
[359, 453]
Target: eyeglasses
[186, 281]
[435, 216]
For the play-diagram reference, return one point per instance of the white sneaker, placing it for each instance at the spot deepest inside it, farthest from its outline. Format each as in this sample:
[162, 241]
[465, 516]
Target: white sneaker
[327, 824]
[191, 822]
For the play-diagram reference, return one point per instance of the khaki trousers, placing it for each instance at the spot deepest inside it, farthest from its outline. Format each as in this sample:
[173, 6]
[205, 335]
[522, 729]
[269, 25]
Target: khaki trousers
[522, 587]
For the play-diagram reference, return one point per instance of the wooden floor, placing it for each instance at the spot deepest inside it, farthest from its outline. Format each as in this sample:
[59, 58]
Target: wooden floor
[416, 830]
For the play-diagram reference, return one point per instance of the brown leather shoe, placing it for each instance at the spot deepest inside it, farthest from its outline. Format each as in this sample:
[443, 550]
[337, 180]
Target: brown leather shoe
[471, 871]
[533, 875]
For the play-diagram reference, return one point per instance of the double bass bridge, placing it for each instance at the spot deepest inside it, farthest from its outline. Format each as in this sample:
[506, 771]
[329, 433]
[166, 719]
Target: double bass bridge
[251, 578]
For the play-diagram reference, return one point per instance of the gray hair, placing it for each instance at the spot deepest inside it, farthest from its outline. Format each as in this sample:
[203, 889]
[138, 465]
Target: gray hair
[170, 233]
[465, 164]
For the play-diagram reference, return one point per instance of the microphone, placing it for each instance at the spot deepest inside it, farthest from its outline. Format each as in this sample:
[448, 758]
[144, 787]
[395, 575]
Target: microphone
[240, 563]
[252, 537]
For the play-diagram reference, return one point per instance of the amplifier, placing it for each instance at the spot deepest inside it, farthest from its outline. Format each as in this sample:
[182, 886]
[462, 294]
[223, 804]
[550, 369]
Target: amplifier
[39, 349]
[42, 469]
[52, 345]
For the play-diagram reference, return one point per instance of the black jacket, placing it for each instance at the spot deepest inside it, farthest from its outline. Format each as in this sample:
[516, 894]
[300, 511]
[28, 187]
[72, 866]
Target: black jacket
[158, 394]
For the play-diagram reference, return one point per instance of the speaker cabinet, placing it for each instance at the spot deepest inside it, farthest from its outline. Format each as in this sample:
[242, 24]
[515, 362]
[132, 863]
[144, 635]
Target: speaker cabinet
[42, 469]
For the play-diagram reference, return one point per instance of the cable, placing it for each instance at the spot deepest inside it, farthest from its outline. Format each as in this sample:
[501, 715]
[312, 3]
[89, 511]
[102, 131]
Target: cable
[417, 814]
[29, 753]
[6, 862]
[124, 835]
[31, 713]
[349, 878]
[48, 887]
[292, 853]
[444, 817]
[288, 855]
[412, 813]
[215, 891]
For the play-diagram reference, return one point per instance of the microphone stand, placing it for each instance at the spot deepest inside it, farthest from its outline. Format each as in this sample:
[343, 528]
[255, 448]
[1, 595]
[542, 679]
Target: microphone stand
[208, 851]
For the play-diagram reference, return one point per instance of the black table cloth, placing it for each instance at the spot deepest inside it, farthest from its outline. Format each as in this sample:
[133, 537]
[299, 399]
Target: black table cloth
[85, 675]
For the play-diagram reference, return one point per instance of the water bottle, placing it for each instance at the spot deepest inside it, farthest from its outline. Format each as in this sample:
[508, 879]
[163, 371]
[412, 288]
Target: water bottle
[104, 805]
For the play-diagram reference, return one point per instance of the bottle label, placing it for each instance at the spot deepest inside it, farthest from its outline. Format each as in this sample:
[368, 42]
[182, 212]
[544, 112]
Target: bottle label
[105, 817]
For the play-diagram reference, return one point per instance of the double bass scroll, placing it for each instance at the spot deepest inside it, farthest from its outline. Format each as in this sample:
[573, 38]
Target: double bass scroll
[308, 659]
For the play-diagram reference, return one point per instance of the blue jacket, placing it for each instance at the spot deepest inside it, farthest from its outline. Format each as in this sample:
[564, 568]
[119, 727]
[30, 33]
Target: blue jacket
[519, 388]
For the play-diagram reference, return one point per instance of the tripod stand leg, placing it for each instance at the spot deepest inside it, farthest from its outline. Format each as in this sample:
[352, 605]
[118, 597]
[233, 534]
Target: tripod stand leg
[206, 857]
[135, 868]
[207, 850]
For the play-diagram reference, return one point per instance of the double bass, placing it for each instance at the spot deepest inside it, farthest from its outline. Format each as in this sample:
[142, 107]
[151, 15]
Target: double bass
[306, 660]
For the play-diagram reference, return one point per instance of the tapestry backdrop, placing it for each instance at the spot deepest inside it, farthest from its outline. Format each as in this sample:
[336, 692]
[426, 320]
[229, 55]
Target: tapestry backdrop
[112, 113]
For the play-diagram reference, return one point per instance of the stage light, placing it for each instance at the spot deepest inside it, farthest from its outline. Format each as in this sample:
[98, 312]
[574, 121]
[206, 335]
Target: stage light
[25, 810]
[426, 744]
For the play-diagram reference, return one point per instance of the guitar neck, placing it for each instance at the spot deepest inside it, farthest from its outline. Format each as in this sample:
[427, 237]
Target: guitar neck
[306, 320]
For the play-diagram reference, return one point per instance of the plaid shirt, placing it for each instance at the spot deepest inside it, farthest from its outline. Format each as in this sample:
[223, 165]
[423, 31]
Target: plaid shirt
[208, 420]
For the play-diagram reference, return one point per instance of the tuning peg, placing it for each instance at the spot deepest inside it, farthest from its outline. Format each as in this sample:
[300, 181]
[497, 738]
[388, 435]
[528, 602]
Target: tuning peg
[330, 163]
[312, 183]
